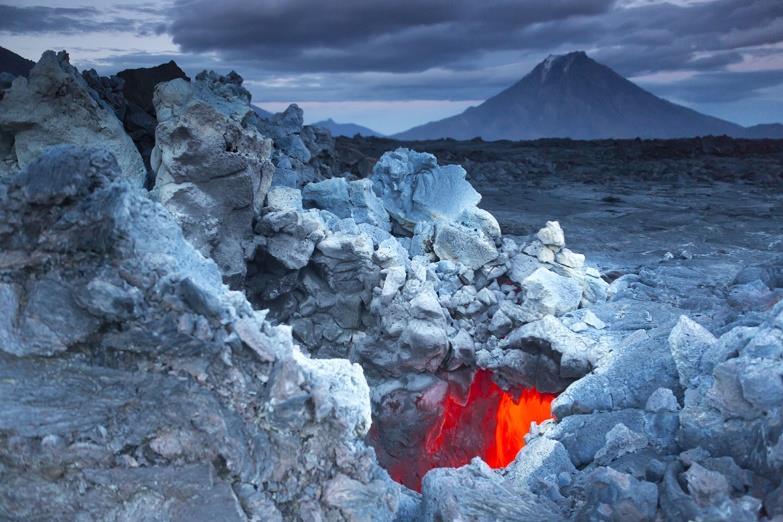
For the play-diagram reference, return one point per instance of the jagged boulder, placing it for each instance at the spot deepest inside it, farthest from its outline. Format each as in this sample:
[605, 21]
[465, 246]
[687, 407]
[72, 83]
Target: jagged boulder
[438, 205]
[612, 495]
[302, 154]
[135, 385]
[476, 492]
[414, 188]
[344, 199]
[210, 171]
[543, 354]
[732, 407]
[129, 94]
[55, 106]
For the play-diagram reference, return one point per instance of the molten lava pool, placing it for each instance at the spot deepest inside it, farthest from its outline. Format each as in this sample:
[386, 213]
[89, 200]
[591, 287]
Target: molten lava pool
[487, 422]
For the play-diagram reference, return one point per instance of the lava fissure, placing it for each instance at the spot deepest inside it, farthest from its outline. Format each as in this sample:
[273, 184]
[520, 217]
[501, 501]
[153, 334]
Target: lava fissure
[487, 422]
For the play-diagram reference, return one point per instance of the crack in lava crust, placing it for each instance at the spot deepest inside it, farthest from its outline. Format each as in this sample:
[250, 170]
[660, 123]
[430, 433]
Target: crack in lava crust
[488, 422]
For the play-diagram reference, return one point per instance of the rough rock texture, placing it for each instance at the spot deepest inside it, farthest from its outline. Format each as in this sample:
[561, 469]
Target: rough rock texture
[129, 93]
[475, 492]
[54, 106]
[135, 386]
[354, 283]
[437, 205]
[635, 441]
[622, 448]
[210, 170]
[302, 154]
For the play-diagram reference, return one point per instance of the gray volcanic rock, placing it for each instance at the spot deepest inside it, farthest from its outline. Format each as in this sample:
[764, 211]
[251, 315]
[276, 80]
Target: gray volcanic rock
[417, 320]
[130, 94]
[344, 199]
[302, 154]
[414, 188]
[211, 171]
[135, 385]
[733, 408]
[438, 205]
[575, 97]
[618, 496]
[542, 354]
[543, 467]
[476, 492]
[55, 106]
[138, 85]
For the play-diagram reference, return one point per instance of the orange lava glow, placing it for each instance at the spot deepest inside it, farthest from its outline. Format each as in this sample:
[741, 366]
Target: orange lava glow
[513, 423]
[487, 422]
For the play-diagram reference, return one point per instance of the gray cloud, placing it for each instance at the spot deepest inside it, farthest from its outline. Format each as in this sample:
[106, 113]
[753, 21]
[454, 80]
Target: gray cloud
[440, 49]
[448, 49]
[719, 87]
[74, 20]
[362, 35]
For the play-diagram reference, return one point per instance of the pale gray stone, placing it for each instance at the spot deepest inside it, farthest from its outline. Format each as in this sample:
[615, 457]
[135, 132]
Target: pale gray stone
[54, 106]
[552, 235]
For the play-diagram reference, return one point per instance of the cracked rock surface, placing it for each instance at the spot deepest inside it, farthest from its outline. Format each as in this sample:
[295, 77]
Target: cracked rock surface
[135, 385]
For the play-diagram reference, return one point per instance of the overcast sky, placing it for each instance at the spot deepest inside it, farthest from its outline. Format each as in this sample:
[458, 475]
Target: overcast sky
[392, 64]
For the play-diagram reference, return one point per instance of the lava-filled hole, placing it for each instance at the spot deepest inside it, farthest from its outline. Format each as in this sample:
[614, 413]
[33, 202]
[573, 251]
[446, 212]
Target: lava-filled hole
[486, 422]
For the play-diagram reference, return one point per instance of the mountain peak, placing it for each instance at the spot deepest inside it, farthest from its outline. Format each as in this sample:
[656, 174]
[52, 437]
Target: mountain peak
[560, 63]
[573, 96]
[567, 57]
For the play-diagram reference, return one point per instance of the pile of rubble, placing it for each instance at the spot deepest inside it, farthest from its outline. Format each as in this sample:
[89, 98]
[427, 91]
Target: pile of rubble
[688, 429]
[135, 384]
[403, 273]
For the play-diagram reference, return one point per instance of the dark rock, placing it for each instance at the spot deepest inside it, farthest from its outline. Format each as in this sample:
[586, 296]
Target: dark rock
[139, 84]
[13, 64]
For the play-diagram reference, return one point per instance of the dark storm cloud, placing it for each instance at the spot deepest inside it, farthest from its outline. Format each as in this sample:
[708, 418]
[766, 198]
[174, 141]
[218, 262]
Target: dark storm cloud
[703, 36]
[72, 20]
[718, 87]
[312, 36]
[361, 35]
[440, 49]
[39, 19]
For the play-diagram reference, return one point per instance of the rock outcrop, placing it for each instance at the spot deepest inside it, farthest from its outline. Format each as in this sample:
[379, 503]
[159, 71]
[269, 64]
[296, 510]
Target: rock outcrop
[210, 170]
[135, 385]
[54, 105]
[302, 153]
[130, 93]
[384, 277]
[689, 430]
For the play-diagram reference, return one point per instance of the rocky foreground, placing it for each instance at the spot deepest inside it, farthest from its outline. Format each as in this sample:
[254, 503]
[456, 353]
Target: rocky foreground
[273, 323]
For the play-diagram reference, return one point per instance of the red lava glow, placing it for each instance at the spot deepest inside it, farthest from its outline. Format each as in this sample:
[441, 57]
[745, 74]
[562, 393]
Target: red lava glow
[488, 423]
[513, 423]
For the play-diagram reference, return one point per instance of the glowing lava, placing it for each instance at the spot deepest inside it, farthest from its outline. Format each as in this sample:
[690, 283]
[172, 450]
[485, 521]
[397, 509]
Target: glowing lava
[513, 423]
[487, 422]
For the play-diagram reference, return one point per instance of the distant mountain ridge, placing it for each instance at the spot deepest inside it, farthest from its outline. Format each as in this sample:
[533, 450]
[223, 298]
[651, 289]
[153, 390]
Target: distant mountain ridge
[765, 130]
[10, 62]
[573, 96]
[346, 129]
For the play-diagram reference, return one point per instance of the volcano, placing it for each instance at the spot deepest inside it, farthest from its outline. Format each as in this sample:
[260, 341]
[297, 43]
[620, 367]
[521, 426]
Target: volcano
[573, 96]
